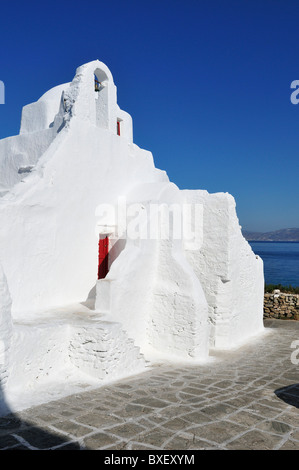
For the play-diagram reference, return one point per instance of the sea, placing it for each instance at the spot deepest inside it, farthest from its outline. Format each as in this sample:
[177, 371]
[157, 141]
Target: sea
[281, 261]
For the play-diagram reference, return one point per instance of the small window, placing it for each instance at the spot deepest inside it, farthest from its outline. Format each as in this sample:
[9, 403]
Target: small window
[118, 127]
[103, 267]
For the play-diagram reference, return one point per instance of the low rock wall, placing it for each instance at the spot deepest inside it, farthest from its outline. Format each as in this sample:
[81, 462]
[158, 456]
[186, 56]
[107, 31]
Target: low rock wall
[281, 305]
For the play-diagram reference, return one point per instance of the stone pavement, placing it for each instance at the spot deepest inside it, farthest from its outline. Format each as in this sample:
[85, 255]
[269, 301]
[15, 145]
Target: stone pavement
[242, 399]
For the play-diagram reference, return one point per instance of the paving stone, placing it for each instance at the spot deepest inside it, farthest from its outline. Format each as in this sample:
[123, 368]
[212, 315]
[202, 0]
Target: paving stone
[43, 416]
[151, 402]
[140, 393]
[133, 411]
[195, 401]
[102, 408]
[290, 416]
[207, 382]
[170, 397]
[10, 423]
[73, 429]
[274, 402]
[217, 432]
[123, 386]
[224, 384]
[98, 441]
[174, 411]
[68, 413]
[120, 393]
[276, 427]
[155, 438]
[239, 401]
[290, 445]
[291, 376]
[8, 441]
[197, 417]
[245, 418]
[192, 391]
[176, 424]
[209, 396]
[262, 410]
[178, 384]
[127, 430]
[42, 438]
[260, 383]
[255, 440]
[180, 442]
[156, 419]
[146, 423]
[98, 420]
[219, 410]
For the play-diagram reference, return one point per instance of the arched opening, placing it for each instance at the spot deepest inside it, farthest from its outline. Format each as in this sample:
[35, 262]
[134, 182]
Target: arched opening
[101, 98]
[100, 75]
[97, 84]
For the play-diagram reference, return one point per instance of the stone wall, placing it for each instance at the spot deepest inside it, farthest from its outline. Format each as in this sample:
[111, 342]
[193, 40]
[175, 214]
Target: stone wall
[281, 305]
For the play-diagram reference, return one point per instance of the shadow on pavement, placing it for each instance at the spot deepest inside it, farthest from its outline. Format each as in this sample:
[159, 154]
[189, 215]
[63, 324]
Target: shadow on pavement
[289, 395]
[18, 434]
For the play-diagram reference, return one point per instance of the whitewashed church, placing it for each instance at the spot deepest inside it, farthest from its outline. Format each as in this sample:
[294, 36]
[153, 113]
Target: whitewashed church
[81, 297]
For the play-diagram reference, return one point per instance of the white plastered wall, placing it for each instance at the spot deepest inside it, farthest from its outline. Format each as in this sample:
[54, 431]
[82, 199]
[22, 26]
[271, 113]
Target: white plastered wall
[40, 123]
[151, 287]
[5, 337]
[230, 273]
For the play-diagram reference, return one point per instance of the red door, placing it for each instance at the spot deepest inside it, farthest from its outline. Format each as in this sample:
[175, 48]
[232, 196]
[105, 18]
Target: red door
[103, 257]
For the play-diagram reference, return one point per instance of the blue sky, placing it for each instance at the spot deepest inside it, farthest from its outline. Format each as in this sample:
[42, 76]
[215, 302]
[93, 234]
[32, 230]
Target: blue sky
[207, 83]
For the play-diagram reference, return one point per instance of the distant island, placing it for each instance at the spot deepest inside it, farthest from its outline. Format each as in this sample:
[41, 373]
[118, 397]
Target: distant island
[283, 235]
